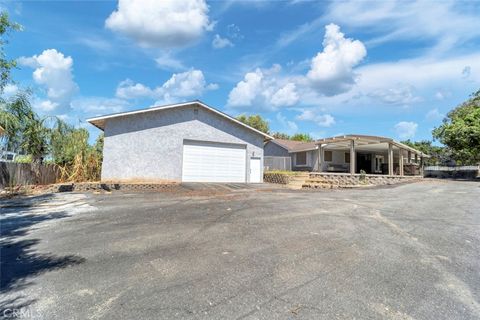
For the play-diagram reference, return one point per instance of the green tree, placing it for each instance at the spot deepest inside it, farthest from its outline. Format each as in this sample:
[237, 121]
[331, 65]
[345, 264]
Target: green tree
[25, 131]
[305, 137]
[255, 121]
[6, 65]
[438, 154]
[460, 131]
[281, 135]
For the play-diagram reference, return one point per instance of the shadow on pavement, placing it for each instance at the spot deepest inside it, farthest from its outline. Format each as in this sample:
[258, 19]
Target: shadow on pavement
[19, 260]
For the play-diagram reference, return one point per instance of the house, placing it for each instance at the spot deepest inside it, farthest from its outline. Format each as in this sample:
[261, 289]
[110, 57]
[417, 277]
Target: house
[290, 149]
[180, 142]
[371, 154]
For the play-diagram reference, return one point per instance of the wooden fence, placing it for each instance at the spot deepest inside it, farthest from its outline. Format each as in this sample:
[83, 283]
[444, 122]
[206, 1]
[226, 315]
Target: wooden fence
[13, 174]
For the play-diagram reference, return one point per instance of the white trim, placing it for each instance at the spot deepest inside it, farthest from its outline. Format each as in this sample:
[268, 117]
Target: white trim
[128, 113]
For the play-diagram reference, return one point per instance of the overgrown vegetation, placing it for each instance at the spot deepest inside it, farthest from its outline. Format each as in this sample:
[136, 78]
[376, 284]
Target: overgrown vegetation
[40, 140]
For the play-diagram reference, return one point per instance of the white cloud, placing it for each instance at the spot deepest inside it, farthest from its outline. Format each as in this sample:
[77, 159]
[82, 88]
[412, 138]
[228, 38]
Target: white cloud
[127, 89]
[10, 90]
[322, 120]
[181, 85]
[331, 71]
[406, 130]
[99, 105]
[285, 96]
[163, 24]
[53, 71]
[219, 42]
[423, 74]
[399, 95]
[263, 88]
[287, 126]
[45, 105]
[434, 115]
[447, 23]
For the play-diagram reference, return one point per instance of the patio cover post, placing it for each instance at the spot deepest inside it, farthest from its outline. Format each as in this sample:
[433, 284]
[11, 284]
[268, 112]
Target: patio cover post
[352, 156]
[320, 157]
[390, 159]
[400, 160]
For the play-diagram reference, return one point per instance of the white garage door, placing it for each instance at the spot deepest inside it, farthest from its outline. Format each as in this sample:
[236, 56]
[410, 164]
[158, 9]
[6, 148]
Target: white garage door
[213, 162]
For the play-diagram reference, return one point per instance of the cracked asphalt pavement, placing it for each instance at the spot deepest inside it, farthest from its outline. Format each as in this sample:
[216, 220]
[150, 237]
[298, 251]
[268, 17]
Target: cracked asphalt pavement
[404, 252]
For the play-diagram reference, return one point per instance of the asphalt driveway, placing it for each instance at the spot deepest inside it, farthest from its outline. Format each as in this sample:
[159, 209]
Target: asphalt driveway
[404, 252]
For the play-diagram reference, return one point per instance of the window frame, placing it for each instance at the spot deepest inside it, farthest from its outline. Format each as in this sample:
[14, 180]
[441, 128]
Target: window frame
[296, 158]
[325, 155]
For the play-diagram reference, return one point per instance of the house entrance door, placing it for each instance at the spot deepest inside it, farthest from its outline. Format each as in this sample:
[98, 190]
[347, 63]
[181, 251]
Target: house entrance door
[364, 162]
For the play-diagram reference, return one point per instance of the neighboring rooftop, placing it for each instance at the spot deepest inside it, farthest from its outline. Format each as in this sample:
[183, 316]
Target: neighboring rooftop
[295, 146]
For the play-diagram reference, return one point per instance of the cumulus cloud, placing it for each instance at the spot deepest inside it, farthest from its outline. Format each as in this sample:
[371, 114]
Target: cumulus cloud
[265, 89]
[53, 71]
[162, 24]
[406, 130]
[181, 85]
[331, 71]
[322, 120]
[127, 89]
[219, 42]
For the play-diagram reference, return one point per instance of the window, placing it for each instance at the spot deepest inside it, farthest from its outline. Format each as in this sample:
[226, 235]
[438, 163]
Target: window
[327, 156]
[301, 158]
[347, 157]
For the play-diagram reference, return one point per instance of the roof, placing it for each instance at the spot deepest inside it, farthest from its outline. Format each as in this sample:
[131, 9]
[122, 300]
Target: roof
[99, 122]
[299, 146]
[295, 146]
[366, 139]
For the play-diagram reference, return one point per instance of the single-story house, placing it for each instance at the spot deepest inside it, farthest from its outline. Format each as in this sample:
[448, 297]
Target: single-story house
[180, 142]
[372, 154]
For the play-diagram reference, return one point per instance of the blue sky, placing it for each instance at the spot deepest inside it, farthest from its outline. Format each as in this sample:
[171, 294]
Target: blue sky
[391, 68]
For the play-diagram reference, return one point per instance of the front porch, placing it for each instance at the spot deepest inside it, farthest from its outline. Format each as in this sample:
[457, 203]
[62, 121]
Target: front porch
[368, 155]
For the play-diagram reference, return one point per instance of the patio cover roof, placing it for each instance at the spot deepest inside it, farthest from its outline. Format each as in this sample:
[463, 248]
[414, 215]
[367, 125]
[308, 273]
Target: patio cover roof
[363, 140]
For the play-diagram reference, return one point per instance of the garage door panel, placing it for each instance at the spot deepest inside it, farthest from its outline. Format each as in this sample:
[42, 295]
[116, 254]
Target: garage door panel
[213, 162]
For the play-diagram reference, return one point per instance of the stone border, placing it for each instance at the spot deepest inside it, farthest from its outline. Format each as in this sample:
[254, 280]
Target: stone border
[93, 186]
[278, 178]
[345, 180]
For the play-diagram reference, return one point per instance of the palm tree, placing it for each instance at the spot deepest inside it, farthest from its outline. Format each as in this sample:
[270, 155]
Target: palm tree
[25, 131]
